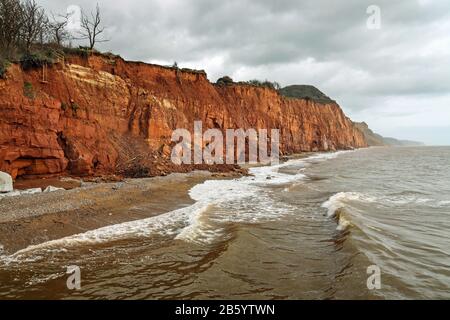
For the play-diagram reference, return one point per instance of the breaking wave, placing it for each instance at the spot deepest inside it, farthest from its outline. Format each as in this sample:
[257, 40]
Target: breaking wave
[341, 205]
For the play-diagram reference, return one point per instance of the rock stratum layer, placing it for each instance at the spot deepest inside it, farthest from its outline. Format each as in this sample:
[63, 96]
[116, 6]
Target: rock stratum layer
[101, 115]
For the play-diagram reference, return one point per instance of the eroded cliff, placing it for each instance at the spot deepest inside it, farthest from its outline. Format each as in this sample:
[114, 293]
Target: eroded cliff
[103, 115]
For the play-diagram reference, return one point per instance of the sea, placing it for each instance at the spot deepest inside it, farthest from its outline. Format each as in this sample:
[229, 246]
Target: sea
[364, 224]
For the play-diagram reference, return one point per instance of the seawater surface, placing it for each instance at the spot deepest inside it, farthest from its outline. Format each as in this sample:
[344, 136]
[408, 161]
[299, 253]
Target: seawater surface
[308, 228]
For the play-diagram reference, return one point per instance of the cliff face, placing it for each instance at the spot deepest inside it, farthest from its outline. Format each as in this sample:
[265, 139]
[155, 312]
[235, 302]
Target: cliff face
[373, 139]
[101, 114]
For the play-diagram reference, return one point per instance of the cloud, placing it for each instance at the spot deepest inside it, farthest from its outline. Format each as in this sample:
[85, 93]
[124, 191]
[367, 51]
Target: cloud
[321, 42]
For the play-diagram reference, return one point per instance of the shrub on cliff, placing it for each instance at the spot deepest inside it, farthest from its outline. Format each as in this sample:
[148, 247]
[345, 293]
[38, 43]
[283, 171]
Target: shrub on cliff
[30, 61]
[82, 52]
[28, 90]
[4, 64]
[255, 82]
[224, 81]
[272, 85]
[264, 84]
[74, 107]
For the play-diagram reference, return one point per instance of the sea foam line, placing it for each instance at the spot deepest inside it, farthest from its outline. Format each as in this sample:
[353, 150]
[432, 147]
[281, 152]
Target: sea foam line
[165, 224]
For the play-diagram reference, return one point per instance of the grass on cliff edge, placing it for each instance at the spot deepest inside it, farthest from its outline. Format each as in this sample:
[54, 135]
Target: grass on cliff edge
[294, 91]
[46, 55]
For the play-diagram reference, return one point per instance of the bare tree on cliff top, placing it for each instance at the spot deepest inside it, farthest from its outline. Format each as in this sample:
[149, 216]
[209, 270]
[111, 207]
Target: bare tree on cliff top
[91, 27]
[58, 29]
[34, 24]
[10, 25]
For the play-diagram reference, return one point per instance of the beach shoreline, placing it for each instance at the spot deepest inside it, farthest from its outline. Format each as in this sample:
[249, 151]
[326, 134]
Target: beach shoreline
[36, 218]
[84, 205]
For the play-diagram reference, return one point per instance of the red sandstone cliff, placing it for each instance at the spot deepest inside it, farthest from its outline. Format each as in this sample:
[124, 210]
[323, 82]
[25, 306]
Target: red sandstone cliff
[97, 115]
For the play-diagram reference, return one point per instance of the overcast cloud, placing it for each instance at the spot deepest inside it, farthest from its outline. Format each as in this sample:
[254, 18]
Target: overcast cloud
[396, 78]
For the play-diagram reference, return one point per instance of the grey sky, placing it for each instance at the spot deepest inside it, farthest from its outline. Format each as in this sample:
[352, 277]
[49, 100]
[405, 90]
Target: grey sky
[396, 78]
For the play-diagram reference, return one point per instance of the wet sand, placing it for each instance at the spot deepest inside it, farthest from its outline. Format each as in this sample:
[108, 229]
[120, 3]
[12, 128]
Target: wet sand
[33, 219]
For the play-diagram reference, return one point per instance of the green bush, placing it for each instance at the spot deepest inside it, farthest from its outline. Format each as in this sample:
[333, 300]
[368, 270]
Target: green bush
[224, 81]
[4, 65]
[74, 107]
[28, 90]
[264, 84]
[255, 82]
[35, 60]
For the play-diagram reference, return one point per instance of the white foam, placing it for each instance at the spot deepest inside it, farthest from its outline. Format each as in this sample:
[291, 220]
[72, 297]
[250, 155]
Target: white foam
[198, 228]
[234, 200]
[339, 200]
[37, 279]
[165, 224]
[225, 190]
[423, 200]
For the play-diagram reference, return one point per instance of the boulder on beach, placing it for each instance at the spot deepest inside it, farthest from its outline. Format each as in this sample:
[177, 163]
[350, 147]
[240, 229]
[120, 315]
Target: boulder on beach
[6, 182]
[52, 189]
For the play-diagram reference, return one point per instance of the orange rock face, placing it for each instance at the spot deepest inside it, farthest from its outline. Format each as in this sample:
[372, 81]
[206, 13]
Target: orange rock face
[93, 115]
